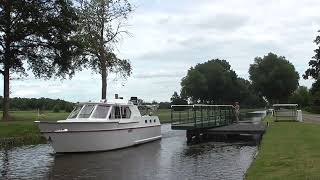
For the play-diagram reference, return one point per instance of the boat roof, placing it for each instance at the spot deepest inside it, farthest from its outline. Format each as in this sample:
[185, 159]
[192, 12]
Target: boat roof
[111, 102]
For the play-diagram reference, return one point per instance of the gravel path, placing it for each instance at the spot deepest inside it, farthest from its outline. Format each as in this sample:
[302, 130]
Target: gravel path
[312, 118]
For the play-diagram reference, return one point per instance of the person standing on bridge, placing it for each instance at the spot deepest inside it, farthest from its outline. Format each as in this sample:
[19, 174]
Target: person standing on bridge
[237, 111]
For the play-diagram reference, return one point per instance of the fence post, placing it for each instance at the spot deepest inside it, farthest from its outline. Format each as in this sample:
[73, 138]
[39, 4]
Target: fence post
[194, 115]
[220, 118]
[215, 116]
[201, 116]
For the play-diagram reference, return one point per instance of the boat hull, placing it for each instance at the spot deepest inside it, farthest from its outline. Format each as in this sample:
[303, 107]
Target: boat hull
[102, 140]
[98, 139]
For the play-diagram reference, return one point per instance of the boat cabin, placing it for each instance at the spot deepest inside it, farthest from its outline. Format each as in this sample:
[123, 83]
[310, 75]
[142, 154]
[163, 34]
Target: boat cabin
[103, 111]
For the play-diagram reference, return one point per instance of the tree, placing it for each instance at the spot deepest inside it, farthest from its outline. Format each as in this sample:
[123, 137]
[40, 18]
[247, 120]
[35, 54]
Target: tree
[212, 81]
[247, 96]
[102, 25]
[178, 100]
[315, 95]
[274, 77]
[314, 63]
[56, 109]
[301, 96]
[194, 85]
[164, 105]
[36, 35]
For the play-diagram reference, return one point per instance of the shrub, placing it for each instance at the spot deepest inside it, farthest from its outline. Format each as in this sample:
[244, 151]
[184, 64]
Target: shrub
[56, 109]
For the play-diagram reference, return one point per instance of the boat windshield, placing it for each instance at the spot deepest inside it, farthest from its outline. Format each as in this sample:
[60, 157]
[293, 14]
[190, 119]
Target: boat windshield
[86, 111]
[75, 112]
[101, 112]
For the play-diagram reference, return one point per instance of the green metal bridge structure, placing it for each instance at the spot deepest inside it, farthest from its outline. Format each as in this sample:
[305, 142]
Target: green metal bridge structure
[198, 116]
[201, 120]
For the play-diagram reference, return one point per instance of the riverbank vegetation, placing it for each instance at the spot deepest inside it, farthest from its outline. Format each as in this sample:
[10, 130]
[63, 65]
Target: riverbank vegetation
[289, 150]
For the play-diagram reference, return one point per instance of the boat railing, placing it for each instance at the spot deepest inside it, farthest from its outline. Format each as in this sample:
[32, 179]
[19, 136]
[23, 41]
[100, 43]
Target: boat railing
[201, 116]
[148, 109]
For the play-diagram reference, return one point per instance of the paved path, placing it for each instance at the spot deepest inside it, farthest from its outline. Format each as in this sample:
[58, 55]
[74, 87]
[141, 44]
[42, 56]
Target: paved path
[312, 118]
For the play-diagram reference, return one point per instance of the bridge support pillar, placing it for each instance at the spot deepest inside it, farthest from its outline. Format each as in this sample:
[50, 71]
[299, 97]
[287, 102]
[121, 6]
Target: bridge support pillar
[195, 136]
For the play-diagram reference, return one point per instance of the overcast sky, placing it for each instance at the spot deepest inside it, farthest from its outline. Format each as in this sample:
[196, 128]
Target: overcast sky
[168, 37]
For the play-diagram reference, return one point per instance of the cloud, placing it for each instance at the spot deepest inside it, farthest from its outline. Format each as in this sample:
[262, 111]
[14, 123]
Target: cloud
[25, 93]
[160, 74]
[168, 37]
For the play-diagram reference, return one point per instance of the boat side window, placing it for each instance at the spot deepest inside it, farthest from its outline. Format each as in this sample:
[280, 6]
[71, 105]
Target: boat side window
[101, 112]
[115, 113]
[75, 112]
[125, 112]
[86, 111]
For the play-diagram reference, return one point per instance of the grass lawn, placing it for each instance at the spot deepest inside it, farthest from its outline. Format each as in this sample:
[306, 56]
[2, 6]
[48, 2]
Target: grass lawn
[289, 150]
[22, 123]
[164, 115]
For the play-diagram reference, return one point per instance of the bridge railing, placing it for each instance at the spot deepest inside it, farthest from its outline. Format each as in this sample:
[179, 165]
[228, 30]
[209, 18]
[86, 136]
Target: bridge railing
[201, 116]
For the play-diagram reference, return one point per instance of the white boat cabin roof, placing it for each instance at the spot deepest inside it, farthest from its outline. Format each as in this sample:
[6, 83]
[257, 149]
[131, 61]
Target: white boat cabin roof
[110, 102]
[115, 110]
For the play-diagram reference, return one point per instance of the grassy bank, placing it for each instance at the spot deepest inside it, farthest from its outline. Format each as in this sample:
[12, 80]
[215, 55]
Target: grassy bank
[21, 123]
[289, 150]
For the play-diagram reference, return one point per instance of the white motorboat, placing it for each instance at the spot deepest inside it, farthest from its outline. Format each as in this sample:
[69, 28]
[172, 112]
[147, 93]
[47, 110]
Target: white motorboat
[100, 127]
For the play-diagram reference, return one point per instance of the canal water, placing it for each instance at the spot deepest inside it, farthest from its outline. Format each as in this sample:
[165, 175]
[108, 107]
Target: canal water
[168, 158]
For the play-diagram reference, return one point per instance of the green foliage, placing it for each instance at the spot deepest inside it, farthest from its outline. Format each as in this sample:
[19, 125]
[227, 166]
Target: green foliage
[24, 104]
[101, 24]
[194, 85]
[177, 100]
[215, 82]
[301, 96]
[314, 63]
[40, 36]
[68, 107]
[56, 109]
[274, 77]
[315, 98]
[164, 105]
[38, 33]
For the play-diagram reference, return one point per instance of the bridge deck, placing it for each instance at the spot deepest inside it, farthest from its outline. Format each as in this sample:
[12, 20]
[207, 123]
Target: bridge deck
[199, 124]
[239, 128]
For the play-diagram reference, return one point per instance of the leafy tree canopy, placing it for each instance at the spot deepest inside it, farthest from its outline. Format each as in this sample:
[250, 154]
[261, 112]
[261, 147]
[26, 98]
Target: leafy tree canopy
[301, 96]
[314, 63]
[215, 82]
[211, 81]
[102, 23]
[37, 35]
[274, 77]
[177, 100]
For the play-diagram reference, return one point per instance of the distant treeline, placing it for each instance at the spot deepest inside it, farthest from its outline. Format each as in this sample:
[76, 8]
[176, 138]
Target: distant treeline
[24, 104]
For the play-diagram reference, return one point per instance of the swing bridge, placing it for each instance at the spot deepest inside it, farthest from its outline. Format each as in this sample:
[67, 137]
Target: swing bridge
[200, 119]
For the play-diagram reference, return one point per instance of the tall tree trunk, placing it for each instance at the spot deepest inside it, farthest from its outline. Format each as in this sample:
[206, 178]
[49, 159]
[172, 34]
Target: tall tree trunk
[6, 93]
[103, 58]
[104, 75]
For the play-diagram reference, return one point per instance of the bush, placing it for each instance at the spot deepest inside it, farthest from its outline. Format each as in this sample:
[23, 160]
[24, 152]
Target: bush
[68, 108]
[56, 109]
